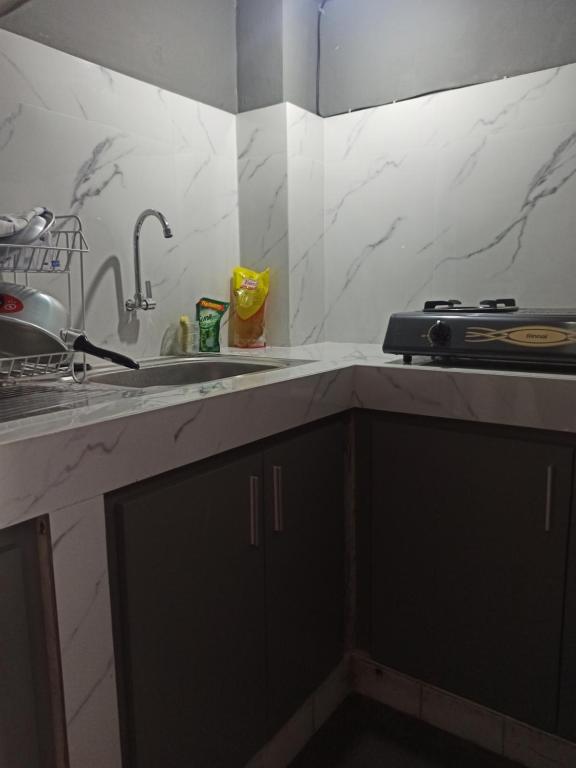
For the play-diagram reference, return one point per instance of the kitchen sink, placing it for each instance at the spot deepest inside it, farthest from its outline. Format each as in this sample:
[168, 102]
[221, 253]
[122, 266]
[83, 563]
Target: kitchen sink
[179, 371]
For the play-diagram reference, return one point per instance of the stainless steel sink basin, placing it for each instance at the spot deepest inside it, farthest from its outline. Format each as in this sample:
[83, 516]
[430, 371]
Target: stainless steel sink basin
[178, 371]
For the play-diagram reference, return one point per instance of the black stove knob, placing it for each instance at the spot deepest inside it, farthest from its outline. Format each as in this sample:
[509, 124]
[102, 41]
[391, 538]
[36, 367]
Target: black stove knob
[440, 334]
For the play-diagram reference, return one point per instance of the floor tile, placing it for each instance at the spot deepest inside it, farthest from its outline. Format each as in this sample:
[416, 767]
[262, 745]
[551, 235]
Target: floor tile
[536, 749]
[365, 734]
[463, 718]
[386, 686]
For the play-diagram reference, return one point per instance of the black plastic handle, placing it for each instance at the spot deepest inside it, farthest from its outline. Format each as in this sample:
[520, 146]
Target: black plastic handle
[81, 344]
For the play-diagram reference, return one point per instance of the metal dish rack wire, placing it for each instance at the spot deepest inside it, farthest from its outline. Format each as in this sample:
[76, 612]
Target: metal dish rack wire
[52, 254]
[54, 365]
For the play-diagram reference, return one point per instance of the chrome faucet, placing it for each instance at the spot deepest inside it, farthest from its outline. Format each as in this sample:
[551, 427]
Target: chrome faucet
[141, 301]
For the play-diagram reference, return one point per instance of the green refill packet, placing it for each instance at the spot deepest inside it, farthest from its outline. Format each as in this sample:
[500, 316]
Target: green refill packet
[209, 313]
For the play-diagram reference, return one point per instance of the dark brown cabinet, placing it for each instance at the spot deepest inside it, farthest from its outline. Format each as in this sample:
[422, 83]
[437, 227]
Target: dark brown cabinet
[304, 478]
[31, 708]
[469, 556]
[189, 606]
[227, 581]
[567, 708]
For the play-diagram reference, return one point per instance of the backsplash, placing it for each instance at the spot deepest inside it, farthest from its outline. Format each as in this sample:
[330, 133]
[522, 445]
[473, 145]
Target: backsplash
[86, 140]
[281, 190]
[463, 194]
[263, 199]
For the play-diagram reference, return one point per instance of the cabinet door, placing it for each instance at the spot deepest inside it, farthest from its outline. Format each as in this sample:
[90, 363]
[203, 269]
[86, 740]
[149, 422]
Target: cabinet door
[31, 709]
[469, 558]
[305, 591]
[567, 709]
[189, 588]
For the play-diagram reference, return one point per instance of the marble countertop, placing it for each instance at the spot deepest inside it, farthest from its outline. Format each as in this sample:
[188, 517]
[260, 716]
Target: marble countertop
[51, 461]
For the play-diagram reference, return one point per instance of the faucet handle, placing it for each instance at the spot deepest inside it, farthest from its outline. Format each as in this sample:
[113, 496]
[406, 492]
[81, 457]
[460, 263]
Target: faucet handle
[148, 303]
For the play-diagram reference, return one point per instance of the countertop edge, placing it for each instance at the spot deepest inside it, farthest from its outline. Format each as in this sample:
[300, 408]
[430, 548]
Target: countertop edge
[43, 473]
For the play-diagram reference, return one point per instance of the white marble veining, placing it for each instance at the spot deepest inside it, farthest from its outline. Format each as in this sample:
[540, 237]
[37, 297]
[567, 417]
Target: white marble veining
[305, 139]
[80, 138]
[281, 190]
[263, 201]
[85, 626]
[468, 193]
[80, 455]
[85, 452]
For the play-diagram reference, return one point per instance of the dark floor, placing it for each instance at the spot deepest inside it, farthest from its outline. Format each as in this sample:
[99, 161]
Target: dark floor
[364, 734]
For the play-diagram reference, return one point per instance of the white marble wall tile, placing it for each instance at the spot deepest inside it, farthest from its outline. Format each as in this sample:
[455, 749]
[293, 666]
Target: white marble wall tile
[354, 137]
[481, 183]
[306, 223]
[41, 76]
[378, 228]
[263, 206]
[45, 77]
[82, 139]
[207, 221]
[199, 128]
[531, 100]
[206, 205]
[85, 627]
[43, 153]
[305, 134]
[263, 211]
[510, 223]
[307, 269]
[107, 178]
[261, 132]
[468, 192]
[281, 187]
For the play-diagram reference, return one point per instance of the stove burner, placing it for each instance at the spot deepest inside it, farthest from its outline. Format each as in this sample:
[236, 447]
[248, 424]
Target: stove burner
[430, 306]
[486, 305]
[501, 304]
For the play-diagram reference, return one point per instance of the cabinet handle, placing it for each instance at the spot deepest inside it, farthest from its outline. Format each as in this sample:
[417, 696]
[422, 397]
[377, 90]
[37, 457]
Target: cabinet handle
[278, 508]
[254, 511]
[549, 491]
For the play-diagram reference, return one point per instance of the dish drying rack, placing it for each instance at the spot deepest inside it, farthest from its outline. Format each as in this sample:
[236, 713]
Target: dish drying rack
[51, 254]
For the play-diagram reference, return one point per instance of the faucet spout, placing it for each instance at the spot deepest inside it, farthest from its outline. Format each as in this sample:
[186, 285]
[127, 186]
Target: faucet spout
[141, 300]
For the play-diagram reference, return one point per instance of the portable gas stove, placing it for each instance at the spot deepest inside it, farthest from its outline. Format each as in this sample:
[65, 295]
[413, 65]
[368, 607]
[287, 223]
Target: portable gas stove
[494, 331]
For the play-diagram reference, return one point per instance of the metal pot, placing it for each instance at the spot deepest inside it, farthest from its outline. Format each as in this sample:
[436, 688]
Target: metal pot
[20, 302]
[35, 323]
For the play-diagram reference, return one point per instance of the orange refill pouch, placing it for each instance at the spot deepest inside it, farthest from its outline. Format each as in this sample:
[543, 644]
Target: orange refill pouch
[249, 293]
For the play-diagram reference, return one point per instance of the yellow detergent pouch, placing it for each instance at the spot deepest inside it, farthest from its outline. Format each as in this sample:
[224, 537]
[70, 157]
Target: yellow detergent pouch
[249, 293]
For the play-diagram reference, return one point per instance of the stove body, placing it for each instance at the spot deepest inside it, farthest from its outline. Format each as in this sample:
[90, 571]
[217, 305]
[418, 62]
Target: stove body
[495, 331]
